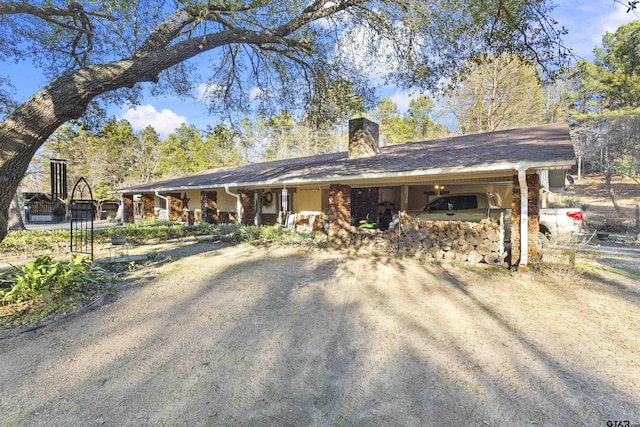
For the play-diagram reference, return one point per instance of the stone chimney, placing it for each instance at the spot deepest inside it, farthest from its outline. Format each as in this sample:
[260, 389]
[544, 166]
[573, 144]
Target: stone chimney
[363, 138]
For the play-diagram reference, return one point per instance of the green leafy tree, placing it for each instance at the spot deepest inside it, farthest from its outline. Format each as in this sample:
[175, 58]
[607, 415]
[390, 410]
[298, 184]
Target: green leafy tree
[147, 156]
[182, 152]
[59, 146]
[612, 81]
[324, 121]
[419, 119]
[415, 125]
[253, 131]
[7, 92]
[114, 150]
[224, 147]
[338, 100]
[606, 106]
[107, 158]
[393, 128]
[284, 137]
[70, 143]
[107, 49]
[558, 97]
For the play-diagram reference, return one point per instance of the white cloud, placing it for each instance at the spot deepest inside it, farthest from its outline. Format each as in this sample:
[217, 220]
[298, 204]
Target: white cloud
[587, 22]
[402, 99]
[200, 91]
[612, 21]
[255, 92]
[164, 122]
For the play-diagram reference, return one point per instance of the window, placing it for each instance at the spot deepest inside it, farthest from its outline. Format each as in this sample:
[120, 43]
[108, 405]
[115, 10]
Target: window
[161, 203]
[466, 202]
[453, 203]
[444, 204]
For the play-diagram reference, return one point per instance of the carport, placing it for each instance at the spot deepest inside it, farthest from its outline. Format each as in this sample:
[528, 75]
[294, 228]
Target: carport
[515, 164]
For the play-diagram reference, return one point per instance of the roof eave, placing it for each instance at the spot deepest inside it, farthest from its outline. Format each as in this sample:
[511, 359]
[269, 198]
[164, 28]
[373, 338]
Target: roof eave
[463, 170]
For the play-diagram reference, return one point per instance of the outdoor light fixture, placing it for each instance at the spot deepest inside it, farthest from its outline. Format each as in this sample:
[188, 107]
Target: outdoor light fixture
[438, 187]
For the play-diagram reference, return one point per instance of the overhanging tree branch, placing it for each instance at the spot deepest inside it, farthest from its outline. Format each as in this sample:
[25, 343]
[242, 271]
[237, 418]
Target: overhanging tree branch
[166, 32]
[74, 10]
[273, 29]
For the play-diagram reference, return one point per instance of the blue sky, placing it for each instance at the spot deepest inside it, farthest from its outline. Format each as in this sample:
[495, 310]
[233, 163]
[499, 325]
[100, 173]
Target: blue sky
[586, 20]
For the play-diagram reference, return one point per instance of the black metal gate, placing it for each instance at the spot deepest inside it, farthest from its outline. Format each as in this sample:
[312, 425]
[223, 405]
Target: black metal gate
[82, 214]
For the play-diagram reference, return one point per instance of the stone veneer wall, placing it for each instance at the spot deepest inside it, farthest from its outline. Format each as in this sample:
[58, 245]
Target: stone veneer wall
[147, 206]
[188, 217]
[533, 187]
[363, 138]
[127, 208]
[248, 207]
[226, 217]
[175, 206]
[340, 229]
[209, 206]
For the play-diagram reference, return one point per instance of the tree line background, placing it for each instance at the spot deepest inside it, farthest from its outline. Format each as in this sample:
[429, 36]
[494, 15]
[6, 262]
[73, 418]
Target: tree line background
[600, 99]
[296, 70]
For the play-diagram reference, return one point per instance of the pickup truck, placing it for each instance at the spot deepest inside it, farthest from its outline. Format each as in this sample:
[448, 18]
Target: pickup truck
[555, 223]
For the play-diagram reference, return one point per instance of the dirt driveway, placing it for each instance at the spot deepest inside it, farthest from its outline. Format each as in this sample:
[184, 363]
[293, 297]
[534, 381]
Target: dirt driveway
[244, 336]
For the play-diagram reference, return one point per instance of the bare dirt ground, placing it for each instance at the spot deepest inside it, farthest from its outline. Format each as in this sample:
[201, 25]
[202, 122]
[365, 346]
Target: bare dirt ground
[593, 191]
[265, 336]
[253, 336]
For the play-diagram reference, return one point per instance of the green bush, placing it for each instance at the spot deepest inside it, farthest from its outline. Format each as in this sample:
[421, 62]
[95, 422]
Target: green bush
[58, 241]
[267, 235]
[44, 286]
[30, 242]
[48, 280]
[156, 222]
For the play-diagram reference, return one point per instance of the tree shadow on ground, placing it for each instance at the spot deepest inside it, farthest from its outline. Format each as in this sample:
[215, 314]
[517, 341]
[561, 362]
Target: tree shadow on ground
[564, 390]
[617, 288]
[238, 336]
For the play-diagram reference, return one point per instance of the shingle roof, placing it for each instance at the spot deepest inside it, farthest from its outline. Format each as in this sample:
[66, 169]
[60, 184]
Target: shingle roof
[546, 146]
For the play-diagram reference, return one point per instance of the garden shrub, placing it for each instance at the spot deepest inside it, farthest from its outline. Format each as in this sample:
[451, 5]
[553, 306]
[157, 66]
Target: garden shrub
[30, 242]
[45, 286]
[58, 241]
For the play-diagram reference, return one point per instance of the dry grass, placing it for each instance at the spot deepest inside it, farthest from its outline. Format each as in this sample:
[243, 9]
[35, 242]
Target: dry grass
[247, 336]
[600, 212]
[239, 336]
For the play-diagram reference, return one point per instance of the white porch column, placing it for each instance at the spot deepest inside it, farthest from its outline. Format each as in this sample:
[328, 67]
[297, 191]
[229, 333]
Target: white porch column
[257, 202]
[524, 218]
[238, 203]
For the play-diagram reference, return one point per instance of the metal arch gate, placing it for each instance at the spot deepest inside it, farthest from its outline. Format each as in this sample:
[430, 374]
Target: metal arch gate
[82, 213]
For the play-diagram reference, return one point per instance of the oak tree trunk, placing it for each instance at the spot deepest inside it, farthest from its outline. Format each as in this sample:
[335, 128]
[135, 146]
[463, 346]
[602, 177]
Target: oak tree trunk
[15, 216]
[25, 130]
[67, 96]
